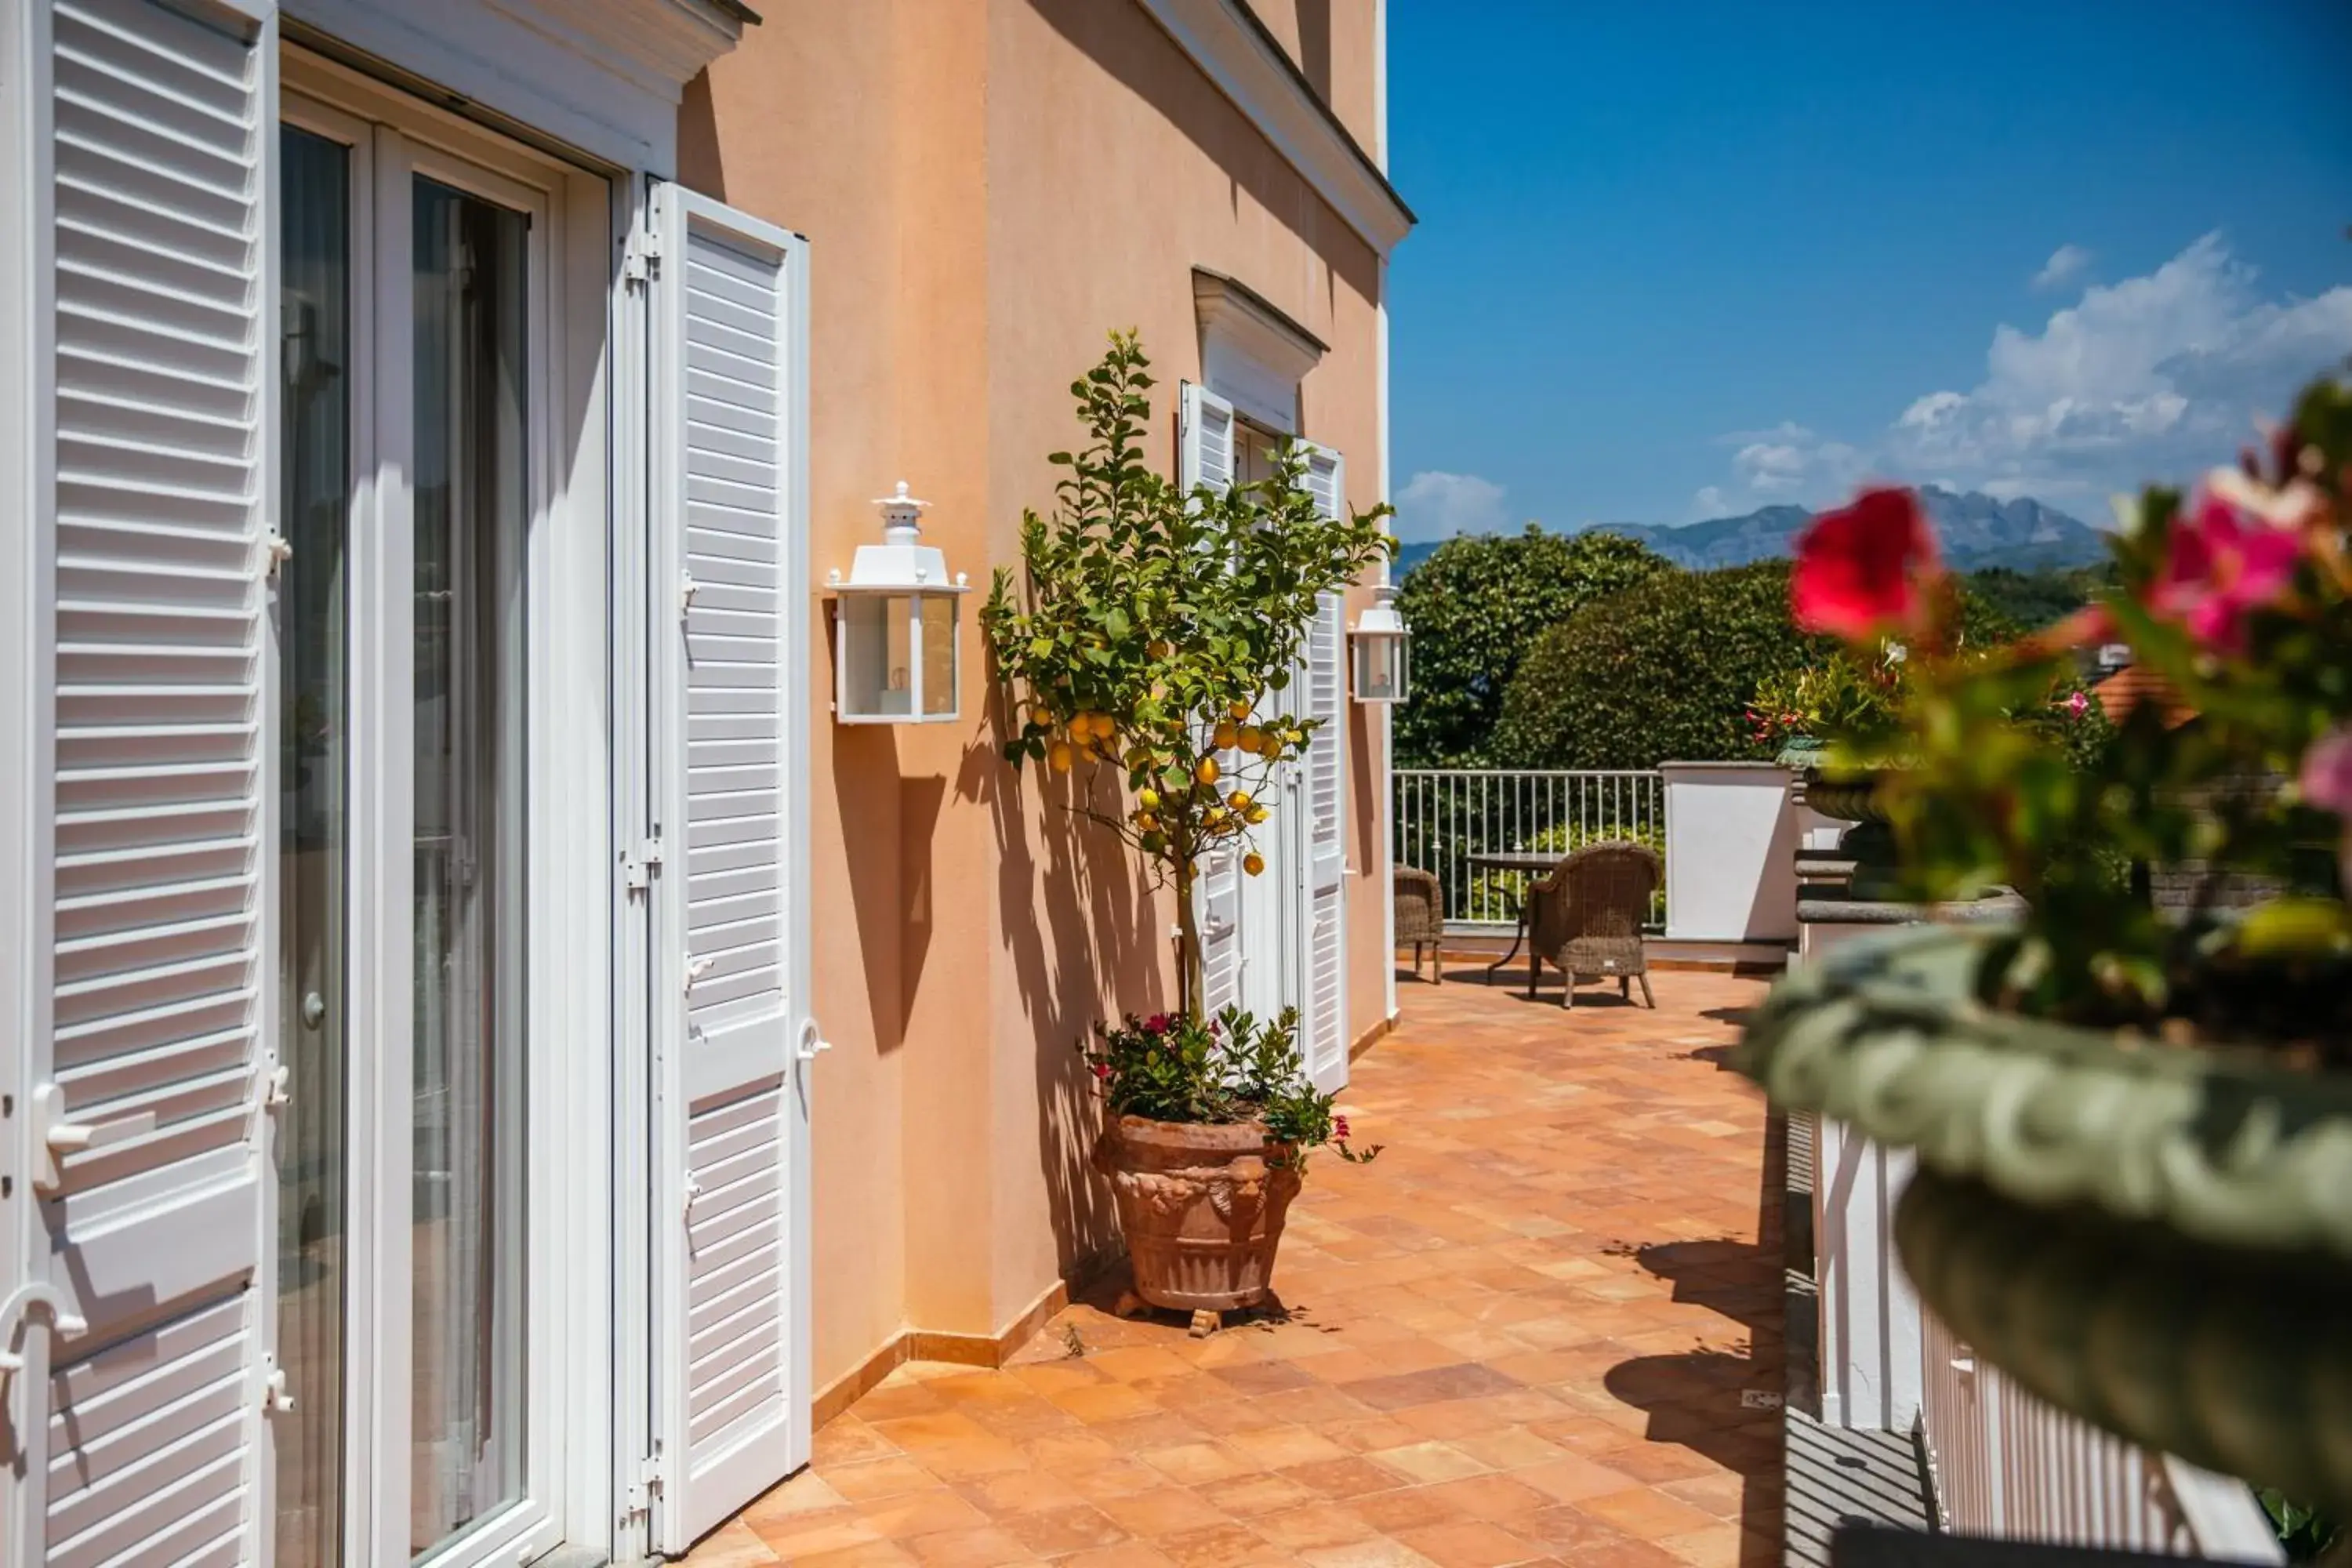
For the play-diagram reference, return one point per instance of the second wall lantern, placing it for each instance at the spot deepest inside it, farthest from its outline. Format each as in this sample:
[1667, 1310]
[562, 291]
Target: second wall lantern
[896, 621]
[1383, 644]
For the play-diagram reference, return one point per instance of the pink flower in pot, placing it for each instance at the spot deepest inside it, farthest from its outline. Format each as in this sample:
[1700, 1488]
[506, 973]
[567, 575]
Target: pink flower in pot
[2224, 563]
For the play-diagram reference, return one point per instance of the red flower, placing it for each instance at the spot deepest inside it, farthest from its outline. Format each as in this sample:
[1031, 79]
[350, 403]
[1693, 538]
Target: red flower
[1863, 572]
[1102, 1072]
[1158, 1024]
[1339, 1128]
[2223, 564]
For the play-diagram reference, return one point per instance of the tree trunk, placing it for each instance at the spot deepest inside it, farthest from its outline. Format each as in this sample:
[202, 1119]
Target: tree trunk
[1187, 944]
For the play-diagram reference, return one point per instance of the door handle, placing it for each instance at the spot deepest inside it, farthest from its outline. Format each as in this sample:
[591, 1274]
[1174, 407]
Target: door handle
[15, 1316]
[55, 1137]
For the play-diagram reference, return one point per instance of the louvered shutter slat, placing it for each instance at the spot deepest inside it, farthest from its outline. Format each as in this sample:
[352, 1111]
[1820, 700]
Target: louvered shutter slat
[1205, 456]
[1323, 1023]
[724, 362]
[159, 251]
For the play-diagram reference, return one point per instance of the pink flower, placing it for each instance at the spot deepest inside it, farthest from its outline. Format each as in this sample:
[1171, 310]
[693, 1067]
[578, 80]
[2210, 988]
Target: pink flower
[1339, 1128]
[1861, 572]
[2327, 777]
[2224, 563]
[1158, 1024]
[1102, 1072]
[2078, 704]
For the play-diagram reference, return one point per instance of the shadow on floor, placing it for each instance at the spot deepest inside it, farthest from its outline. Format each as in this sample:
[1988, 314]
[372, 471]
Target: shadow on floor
[1723, 1403]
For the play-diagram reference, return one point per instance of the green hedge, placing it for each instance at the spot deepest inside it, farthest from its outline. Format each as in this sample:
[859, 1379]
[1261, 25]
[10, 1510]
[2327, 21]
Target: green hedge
[1662, 671]
[1475, 606]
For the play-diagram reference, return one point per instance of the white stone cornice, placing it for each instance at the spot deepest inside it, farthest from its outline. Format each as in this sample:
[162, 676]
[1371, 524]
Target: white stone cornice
[1234, 51]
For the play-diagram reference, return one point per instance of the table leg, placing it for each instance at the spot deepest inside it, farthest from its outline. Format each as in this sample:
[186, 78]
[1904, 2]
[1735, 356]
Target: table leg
[1518, 935]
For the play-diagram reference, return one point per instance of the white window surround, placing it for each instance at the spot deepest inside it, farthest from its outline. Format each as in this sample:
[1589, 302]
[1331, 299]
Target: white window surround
[1252, 354]
[602, 75]
[1236, 53]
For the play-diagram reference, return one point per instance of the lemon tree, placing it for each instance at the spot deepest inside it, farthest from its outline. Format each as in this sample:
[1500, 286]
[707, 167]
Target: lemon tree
[1145, 625]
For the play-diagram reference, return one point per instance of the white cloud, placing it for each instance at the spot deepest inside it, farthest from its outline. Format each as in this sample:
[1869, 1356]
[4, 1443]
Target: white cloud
[2065, 264]
[1435, 505]
[2149, 379]
[1710, 502]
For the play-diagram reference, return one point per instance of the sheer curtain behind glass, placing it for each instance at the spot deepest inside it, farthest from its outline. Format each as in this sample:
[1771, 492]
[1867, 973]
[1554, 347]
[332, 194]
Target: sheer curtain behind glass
[314, 242]
[468, 478]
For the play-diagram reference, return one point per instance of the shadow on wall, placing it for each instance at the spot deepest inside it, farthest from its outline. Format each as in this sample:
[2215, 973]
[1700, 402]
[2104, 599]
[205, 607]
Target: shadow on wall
[1079, 925]
[701, 165]
[873, 819]
[1124, 41]
[1315, 45]
[1366, 807]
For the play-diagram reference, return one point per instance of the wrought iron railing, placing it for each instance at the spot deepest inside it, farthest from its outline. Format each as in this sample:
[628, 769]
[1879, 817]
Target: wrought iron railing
[1444, 816]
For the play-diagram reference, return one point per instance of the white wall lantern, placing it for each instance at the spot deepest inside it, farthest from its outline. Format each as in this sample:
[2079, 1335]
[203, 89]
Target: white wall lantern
[894, 625]
[1381, 640]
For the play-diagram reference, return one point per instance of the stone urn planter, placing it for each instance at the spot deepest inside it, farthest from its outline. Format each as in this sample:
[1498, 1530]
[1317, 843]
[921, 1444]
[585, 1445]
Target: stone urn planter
[2155, 1236]
[1202, 1206]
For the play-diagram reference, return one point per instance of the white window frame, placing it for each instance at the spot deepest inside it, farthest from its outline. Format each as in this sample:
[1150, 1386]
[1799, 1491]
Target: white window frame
[566, 1271]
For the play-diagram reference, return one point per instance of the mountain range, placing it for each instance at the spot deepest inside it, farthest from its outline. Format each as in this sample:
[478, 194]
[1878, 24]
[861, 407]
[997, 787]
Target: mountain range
[1977, 532]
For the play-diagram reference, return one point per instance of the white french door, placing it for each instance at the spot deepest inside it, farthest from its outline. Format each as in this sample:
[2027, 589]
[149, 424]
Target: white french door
[423, 1295]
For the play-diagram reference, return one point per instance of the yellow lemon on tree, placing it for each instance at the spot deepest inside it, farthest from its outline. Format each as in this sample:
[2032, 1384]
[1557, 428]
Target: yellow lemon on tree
[1257, 813]
[1240, 711]
[1239, 800]
[1149, 799]
[1145, 822]
[1225, 735]
[1252, 862]
[1251, 737]
[1042, 716]
[1206, 770]
[1058, 754]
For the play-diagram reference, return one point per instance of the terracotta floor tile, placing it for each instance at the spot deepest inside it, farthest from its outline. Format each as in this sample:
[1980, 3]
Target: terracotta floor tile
[1430, 1461]
[1277, 1447]
[921, 1513]
[1015, 1492]
[1060, 1531]
[1216, 1546]
[1165, 1511]
[1316, 1524]
[867, 1554]
[871, 1478]
[1468, 1544]
[1526, 1329]
[1646, 1514]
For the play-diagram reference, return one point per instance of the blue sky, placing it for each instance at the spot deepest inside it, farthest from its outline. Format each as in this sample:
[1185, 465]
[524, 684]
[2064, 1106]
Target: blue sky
[1680, 260]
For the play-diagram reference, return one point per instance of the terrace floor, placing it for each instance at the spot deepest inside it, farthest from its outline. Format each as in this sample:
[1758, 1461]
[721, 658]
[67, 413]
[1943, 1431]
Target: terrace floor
[1543, 1327]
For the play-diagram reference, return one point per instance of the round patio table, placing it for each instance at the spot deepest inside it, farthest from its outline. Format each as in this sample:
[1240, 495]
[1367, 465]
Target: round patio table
[1533, 861]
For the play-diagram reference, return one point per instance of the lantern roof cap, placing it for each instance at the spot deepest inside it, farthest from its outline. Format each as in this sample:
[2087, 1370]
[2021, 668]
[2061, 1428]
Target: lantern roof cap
[901, 563]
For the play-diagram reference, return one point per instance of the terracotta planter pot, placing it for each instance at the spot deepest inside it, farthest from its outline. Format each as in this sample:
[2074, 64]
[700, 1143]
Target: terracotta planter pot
[1202, 1208]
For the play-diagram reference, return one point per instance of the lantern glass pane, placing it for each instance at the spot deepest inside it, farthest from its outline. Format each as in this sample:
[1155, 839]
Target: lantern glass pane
[1404, 668]
[876, 680]
[938, 655]
[1375, 666]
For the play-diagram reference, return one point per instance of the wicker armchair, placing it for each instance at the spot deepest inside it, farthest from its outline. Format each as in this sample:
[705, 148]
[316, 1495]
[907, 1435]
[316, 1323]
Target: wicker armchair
[1586, 916]
[1420, 917]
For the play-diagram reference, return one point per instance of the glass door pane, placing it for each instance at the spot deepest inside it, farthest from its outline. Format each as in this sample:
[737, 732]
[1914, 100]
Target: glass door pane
[469, 476]
[314, 243]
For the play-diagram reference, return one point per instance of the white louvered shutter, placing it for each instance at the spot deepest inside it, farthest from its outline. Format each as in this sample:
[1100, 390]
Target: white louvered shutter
[730, 1322]
[1205, 456]
[1324, 1024]
[149, 1024]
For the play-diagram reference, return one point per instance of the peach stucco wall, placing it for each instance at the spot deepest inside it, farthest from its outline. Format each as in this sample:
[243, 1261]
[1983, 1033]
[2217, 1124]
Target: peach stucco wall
[986, 189]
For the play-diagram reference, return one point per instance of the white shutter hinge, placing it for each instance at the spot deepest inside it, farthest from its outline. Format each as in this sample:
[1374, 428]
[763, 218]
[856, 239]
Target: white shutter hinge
[637, 869]
[686, 588]
[642, 261]
[276, 551]
[276, 1081]
[812, 1043]
[640, 1489]
[697, 968]
[274, 1400]
[54, 1137]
